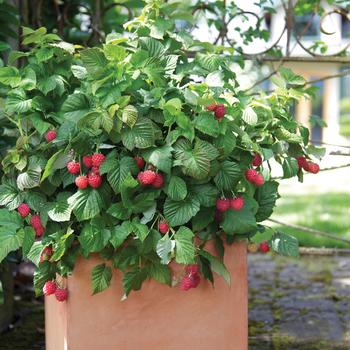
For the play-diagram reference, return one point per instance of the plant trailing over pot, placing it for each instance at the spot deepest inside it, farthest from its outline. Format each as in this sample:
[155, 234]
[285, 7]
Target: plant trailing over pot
[141, 151]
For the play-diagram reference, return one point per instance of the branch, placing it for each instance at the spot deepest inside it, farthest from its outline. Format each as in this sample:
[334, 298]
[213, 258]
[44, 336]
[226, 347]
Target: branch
[323, 251]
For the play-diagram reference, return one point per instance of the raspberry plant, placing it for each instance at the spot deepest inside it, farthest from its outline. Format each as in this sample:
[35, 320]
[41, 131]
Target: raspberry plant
[164, 152]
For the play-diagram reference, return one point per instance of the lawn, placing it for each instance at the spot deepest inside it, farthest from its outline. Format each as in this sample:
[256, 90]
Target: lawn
[328, 212]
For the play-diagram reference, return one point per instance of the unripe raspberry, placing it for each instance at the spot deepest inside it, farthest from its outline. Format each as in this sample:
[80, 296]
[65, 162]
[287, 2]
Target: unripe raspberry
[220, 111]
[163, 227]
[139, 162]
[158, 181]
[222, 204]
[95, 180]
[51, 135]
[313, 168]
[97, 159]
[250, 175]
[61, 294]
[257, 160]
[259, 180]
[264, 247]
[237, 203]
[146, 177]
[82, 182]
[252, 247]
[211, 107]
[49, 288]
[87, 160]
[73, 167]
[23, 210]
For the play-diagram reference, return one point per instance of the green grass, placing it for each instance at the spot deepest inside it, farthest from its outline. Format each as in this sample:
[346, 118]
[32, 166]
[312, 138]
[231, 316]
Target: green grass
[328, 212]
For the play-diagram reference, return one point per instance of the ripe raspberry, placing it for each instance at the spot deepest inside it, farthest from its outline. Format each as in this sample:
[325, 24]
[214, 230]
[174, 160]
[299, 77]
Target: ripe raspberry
[61, 294]
[264, 247]
[158, 182]
[87, 160]
[302, 162]
[250, 175]
[186, 283]
[211, 107]
[23, 210]
[195, 279]
[73, 167]
[313, 168]
[39, 231]
[163, 227]
[146, 177]
[257, 160]
[139, 162]
[82, 182]
[49, 288]
[97, 159]
[222, 204]
[46, 254]
[220, 111]
[192, 269]
[95, 170]
[237, 203]
[95, 180]
[51, 135]
[259, 180]
[35, 221]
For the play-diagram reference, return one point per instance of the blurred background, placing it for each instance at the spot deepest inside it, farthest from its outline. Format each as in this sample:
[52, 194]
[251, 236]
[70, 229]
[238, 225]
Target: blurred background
[293, 304]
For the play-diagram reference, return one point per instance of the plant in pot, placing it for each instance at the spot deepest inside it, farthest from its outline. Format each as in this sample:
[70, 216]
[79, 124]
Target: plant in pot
[141, 151]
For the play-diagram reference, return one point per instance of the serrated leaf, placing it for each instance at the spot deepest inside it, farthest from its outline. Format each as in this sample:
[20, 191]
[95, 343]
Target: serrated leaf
[50, 165]
[94, 61]
[93, 238]
[28, 240]
[238, 222]
[75, 107]
[249, 116]
[85, 204]
[217, 265]
[120, 233]
[133, 280]
[129, 115]
[285, 244]
[266, 196]
[79, 71]
[140, 136]
[228, 175]
[180, 212]
[9, 76]
[160, 273]
[60, 211]
[207, 124]
[101, 276]
[290, 167]
[160, 157]
[185, 249]
[206, 194]
[141, 231]
[165, 247]
[29, 179]
[10, 240]
[177, 189]
[35, 253]
[10, 196]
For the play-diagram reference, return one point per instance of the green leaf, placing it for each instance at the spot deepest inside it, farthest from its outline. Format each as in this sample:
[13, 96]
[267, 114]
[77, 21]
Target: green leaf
[249, 116]
[160, 273]
[140, 136]
[206, 194]
[94, 61]
[177, 189]
[35, 253]
[160, 157]
[238, 222]
[75, 107]
[10, 239]
[93, 238]
[290, 77]
[140, 230]
[118, 211]
[290, 167]
[85, 204]
[207, 124]
[17, 102]
[285, 135]
[165, 247]
[79, 71]
[178, 213]
[203, 218]
[120, 233]
[29, 179]
[153, 46]
[9, 76]
[228, 175]
[285, 244]
[50, 165]
[266, 196]
[133, 280]
[185, 249]
[28, 240]
[101, 276]
[129, 115]
[60, 211]
[10, 196]
[217, 265]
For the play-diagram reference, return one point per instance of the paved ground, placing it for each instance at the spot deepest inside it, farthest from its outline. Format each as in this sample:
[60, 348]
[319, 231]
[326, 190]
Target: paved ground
[299, 304]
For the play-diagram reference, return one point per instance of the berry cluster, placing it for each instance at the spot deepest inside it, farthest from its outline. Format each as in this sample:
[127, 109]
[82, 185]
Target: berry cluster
[191, 278]
[50, 287]
[257, 160]
[150, 178]
[263, 247]
[254, 177]
[218, 109]
[310, 167]
[93, 179]
[46, 254]
[38, 227]
[224, 204]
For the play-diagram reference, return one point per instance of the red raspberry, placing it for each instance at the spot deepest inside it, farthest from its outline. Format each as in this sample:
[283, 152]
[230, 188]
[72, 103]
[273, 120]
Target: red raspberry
[264, 247]
[186, 283]
[211, 107]
[23, 210]
[139, 162]
[257, 160]
[192, 269]
[195, 280]
[250, 175]
[97, 159]
[220, 111]
[302, 162]
[73, 167]
[95, 180]
[222, 204]
[159, 181]
[39, 231]
[87, 160]
[51, 135]
[163, 227]
[82, 182]
[218, 216]
[49, 288]
[237, 203]
[35, 221]
[313, 168]
[61, 294]
[46, 254]
[95, 170]
[259, 180]
[146, 177]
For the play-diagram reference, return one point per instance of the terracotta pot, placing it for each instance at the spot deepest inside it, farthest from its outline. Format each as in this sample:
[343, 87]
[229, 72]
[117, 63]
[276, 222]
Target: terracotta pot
[156, 318]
